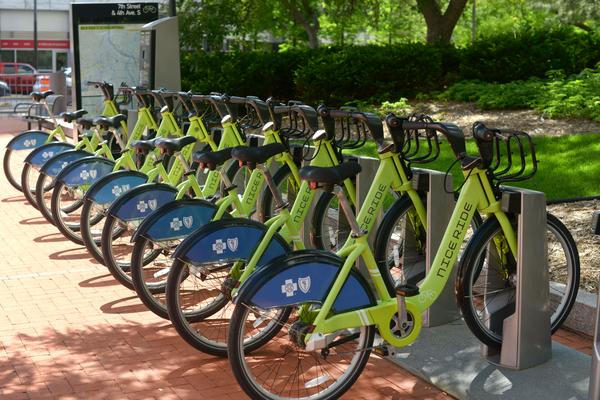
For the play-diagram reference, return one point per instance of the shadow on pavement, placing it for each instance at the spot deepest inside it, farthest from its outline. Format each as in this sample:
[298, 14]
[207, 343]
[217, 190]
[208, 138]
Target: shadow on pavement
[79, 253]
[99, 281]
[34, 221]
[130, 305]
[50, 237]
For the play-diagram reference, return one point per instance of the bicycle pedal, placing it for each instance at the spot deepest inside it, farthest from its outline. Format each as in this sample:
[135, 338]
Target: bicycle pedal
[384, 351]
[407, 290]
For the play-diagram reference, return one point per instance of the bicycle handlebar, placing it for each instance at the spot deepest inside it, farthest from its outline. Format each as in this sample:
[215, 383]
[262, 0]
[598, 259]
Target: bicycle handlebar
[108, 91]
[370, 120]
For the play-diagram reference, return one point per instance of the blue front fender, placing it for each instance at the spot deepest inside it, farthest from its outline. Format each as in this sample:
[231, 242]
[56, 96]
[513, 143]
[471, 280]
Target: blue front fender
[28, 140]
[40, 155]
[140, 202]
[176, 219]
[229, 240]
[304, 277]
[85, 171]
[53, 166]
[110, 187]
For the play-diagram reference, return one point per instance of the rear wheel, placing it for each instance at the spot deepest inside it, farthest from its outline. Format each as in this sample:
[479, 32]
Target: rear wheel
[13, 165]
[43, 195]
[282, 368]
[66, 205]
[117, 248]
[150, 279]
[29, 177]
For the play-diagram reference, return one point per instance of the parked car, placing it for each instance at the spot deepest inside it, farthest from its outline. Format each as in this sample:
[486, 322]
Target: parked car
[19, 76]
[4, 89]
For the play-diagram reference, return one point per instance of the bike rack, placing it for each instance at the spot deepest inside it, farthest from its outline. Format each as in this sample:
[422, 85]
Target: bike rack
[440, 203]
[594, 391]
[526, 329]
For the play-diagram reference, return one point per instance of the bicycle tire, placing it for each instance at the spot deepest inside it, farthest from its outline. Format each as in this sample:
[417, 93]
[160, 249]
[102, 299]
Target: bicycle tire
[385, 230]
[42, 189]
[471, 265]
[26, 180]
[69, 230]
[8, 172]
[152, 296]
[238, 351]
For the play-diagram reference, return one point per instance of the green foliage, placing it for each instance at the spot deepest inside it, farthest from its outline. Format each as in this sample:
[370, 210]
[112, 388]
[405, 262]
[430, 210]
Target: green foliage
[567, 165]
[260, 74]
[508, 57]
[342, 74]
[338, 75]
[518, 94]
[576, 96]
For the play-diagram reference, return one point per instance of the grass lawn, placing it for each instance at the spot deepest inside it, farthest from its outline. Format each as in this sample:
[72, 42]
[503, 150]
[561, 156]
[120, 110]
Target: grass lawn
[569, 166]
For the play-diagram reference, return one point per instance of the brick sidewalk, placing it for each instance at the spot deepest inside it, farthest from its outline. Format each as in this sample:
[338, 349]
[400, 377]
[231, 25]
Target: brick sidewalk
[68, 330]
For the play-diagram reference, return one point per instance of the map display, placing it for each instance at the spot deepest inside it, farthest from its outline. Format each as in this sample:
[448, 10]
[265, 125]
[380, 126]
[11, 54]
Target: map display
[107, 53]
[105, 44]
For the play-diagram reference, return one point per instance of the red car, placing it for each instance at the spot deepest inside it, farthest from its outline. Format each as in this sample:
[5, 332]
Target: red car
[19, 76]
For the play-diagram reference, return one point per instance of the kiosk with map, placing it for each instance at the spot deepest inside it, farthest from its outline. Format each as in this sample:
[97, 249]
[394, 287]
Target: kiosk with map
[105, 43]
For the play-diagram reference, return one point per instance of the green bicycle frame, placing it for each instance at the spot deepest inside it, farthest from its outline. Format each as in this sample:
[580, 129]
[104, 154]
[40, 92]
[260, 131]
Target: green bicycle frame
[289, 223]
[476, 194]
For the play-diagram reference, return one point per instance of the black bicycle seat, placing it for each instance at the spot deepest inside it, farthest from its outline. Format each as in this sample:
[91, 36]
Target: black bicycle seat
[110, 122]
[251, 156]
[72, 116]
[172, 145]
[85, 123]
[330, 175]
[37, 96]
[143, 146]
[212, 159]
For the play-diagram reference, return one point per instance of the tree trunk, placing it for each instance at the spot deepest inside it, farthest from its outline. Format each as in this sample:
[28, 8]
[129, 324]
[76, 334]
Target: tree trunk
[440, 26]
[307, 17]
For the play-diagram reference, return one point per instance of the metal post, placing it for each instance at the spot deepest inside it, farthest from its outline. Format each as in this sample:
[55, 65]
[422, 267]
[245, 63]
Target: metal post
[440, 204]
[526, 339]
[35, 36]
[594, 392]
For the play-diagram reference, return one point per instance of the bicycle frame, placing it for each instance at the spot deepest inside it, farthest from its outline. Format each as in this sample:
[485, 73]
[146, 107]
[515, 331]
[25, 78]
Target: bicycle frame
[289, 223]
[476, 194]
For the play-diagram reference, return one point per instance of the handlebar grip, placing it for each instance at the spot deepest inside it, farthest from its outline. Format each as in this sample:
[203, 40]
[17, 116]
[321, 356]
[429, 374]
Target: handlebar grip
[394, 125]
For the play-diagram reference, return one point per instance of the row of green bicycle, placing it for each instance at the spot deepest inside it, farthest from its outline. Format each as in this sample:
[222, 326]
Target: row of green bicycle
[231, 245]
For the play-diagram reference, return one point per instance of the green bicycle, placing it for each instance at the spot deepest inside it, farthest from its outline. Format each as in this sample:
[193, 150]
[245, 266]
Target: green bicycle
[304, 324]
[39, 150]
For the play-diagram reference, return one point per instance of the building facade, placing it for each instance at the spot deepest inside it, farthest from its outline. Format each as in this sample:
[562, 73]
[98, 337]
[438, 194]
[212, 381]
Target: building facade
[16, 32]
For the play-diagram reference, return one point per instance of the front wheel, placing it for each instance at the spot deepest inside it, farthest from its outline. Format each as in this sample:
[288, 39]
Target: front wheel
[486, 280]
[281, 368]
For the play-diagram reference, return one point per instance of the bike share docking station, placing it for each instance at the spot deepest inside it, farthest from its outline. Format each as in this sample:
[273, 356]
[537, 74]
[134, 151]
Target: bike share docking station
[526, 327]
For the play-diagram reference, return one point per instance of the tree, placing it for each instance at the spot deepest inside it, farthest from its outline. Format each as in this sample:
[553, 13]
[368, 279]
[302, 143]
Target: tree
[440, 26]
[306, 13]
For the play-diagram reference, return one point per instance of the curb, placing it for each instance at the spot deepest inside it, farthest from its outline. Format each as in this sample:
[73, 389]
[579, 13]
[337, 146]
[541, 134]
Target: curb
[581, 319]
